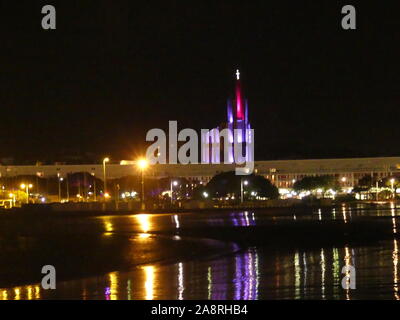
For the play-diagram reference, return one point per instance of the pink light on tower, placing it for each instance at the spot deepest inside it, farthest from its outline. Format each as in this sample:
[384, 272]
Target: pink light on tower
[239, 101]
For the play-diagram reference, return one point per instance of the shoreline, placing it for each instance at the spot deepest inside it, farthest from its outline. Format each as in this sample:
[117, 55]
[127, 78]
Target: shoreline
[85, 247]
[48, 210]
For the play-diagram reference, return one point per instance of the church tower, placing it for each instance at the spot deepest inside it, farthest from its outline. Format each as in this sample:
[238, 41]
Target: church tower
[237, 111]
[219, 150]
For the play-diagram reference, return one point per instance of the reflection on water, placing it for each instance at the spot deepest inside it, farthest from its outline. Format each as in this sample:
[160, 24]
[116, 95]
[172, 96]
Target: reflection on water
[144, 222]
[395, 271]
[21, 293]
[181, 287]
[149, 282]
[253, 273]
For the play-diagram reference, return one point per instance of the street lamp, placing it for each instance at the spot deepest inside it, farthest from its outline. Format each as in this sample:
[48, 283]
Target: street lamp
[59, 188]
[142, 164]
[392, 184]
[94, 187]
[60, 179]
[173, 183]
[26, 187]
[245, 182]
[104, 174]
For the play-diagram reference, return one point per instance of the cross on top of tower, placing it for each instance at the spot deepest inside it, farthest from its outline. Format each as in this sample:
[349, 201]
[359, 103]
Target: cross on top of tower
[237, 74]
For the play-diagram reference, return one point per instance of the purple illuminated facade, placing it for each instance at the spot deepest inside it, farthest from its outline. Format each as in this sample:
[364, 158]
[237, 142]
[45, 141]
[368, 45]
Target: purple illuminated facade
[237, 118]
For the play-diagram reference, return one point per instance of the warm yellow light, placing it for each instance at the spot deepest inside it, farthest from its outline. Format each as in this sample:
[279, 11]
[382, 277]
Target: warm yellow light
[142, 164]
[23, 186]
[106, 159]
[149, 282]
[392, 180]
[344, 179]
[107, 195]
[144, 222]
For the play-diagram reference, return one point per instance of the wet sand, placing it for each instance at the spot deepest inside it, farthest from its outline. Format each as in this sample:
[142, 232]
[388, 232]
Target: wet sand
[253, 255]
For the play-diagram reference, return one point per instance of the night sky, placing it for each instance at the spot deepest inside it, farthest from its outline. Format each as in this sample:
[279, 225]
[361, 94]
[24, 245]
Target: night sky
[112, 70]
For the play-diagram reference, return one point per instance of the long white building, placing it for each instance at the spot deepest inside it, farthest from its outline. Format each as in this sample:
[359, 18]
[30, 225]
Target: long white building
[282, 173]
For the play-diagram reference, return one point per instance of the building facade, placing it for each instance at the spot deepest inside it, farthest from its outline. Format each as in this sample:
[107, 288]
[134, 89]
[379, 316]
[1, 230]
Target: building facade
[282, 173]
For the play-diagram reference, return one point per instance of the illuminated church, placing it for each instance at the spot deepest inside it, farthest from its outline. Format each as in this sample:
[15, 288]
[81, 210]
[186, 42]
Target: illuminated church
[237, 118]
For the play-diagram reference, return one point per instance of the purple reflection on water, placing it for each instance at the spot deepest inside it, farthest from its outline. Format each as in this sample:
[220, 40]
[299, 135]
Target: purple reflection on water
[243, 219]
[246, 275]
[219, 281]
[107, 292]
[238, 277]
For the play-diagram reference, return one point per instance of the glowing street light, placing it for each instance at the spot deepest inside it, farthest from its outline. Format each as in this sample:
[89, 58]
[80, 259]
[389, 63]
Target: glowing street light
[392, 184]
[344, 179]
[104, 173]
[94, 186]
[142, 165]
[173, 183]
[245, 182]
[60, 179]
[26, 187]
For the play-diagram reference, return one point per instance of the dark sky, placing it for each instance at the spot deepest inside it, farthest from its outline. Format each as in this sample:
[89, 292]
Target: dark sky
[112, 70]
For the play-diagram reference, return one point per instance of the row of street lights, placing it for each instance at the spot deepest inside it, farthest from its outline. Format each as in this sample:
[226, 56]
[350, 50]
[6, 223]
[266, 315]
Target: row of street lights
[142, 165]
[26, 187]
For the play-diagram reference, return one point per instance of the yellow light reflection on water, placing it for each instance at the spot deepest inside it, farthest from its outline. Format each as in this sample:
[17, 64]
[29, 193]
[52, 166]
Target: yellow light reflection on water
[20, 293]
[3, 295]
[37, 292]
[393, 212]
[347, 261]
[322, 273]
[129, 290]
[305, 273]
[297, 274]
[176, 219]
[29, 290]
[108, 226]
[144, 235]
[17, 294]
[209, 282]
[113, 278]
[336, 273]
[344, 213]
[149, 282]
[144, 222]
[395, 270]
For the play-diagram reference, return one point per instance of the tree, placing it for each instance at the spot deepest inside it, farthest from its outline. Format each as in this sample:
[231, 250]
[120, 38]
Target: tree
[366, 181]
[324, 183]
[229, 183]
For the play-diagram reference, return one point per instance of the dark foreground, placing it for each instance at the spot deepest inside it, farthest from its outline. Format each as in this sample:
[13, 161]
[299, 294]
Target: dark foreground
[264, 254]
